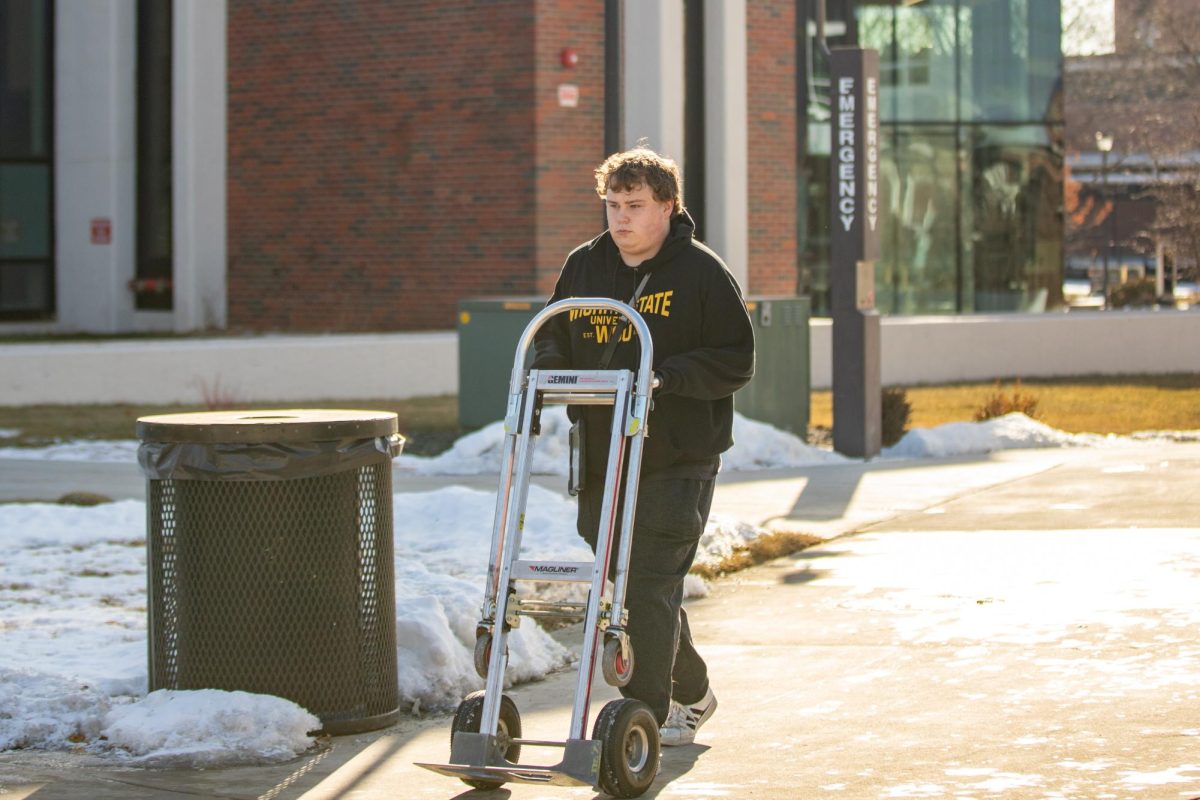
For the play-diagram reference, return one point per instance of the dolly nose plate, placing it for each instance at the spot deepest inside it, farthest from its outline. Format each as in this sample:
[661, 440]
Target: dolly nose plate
[512, 773]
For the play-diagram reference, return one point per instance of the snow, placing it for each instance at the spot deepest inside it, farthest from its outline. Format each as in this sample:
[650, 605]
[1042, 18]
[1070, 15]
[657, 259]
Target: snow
[1011, 431]
[757, 446]
[1161, 778]
[73, 664]
[108, 452]
[208, 728]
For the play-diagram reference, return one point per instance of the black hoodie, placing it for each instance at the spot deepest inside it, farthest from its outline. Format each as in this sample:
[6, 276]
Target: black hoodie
[703, 346]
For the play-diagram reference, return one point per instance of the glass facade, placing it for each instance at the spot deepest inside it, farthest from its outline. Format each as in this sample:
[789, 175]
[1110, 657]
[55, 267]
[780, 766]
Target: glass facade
[26, 160]
[971, 159]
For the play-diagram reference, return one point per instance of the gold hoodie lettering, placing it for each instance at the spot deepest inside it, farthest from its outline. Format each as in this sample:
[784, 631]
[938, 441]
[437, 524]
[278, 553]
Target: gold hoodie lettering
[603, 321]
[605, 332]
[658, 303]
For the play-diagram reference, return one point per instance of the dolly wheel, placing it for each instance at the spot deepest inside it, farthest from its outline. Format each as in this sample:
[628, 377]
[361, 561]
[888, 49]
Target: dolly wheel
[629, 747]
[466, 718]
[483, 652]
[618, 670]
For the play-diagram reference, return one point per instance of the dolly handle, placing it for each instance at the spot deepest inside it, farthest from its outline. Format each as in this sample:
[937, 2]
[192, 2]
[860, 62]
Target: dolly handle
[645, 373]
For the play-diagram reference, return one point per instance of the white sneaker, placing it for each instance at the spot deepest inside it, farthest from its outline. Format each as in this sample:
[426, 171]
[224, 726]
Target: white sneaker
[683, 721]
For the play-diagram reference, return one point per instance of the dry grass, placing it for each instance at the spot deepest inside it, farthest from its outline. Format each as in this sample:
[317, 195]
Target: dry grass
[765, 548]
[1004, 401]
[1102, 404]
[430, 424]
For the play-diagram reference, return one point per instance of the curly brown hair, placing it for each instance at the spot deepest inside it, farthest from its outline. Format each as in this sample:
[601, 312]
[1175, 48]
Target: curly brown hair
[624, 172]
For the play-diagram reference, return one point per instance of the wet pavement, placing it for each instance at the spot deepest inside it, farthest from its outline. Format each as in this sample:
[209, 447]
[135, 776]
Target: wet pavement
[1018, 625]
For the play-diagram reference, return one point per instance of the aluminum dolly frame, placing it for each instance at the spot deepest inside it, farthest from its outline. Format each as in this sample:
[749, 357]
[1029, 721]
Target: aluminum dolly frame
[621, 757]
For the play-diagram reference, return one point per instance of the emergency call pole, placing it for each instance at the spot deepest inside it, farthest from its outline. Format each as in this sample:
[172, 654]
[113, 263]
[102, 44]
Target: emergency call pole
[855, 221]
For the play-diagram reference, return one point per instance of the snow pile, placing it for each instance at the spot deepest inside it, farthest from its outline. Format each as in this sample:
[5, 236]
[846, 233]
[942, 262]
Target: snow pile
[480, 452]
[1010, 432]
[48, 711]
[73, 667]
[209, 728]
[757, 445]
[723, 537]
[203, 728]
[442, 543]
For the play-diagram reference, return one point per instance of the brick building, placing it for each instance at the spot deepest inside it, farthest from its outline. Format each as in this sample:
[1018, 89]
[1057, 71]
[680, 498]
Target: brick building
[353, 166]
[317, 166]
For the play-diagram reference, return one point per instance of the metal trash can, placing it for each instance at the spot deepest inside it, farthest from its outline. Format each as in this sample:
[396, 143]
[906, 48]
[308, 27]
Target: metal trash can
[269, 558]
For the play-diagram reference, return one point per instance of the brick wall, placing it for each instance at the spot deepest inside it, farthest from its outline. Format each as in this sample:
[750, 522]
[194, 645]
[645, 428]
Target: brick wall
[570, 141]
[388, 159]
[381, 161]
[771, 110]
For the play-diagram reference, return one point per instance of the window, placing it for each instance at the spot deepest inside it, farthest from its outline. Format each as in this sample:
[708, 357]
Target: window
[155, 257]
[917, 270]
[1011, 195]
[971, 156]
[26, 160]
[1011, 60]
[917, 58]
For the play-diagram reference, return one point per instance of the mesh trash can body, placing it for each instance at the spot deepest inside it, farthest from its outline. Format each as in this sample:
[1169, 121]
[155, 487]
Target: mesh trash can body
[270, 558]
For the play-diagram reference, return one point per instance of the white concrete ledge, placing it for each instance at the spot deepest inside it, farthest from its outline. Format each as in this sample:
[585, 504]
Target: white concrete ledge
[916, 350]
[932, 350]
[231, 371]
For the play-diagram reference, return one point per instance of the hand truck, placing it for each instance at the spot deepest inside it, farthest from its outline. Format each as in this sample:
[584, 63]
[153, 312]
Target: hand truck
[621, 757]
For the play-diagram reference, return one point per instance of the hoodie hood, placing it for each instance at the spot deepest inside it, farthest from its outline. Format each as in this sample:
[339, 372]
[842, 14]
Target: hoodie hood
[678, 237]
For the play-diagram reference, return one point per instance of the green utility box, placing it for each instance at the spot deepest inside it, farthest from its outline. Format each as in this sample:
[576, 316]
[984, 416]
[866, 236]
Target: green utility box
[489, 329]
[488, 332]
[779, 393]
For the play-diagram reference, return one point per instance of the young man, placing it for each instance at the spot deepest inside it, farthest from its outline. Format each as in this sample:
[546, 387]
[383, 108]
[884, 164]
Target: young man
[703, 353]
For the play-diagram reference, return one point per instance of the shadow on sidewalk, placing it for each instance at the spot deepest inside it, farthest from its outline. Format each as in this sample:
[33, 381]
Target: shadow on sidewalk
[827, 492]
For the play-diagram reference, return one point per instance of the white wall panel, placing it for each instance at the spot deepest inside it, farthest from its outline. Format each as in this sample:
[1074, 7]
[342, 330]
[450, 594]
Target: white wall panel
[916, 350]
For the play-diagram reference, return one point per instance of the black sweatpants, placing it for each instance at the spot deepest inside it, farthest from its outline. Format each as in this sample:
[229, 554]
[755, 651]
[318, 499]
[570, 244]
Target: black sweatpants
[671, 515]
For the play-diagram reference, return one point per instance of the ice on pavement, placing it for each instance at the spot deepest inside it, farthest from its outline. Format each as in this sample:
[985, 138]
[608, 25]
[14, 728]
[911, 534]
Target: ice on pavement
[73, 671]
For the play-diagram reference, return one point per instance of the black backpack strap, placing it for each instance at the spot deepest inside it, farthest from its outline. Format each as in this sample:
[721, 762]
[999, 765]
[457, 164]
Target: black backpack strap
[619, 326]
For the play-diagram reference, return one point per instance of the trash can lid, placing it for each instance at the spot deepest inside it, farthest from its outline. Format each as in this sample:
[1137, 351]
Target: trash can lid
[275, 426]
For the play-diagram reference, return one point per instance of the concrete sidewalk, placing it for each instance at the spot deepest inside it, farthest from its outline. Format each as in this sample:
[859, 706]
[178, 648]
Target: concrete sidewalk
[1020, 625]
[826, 500]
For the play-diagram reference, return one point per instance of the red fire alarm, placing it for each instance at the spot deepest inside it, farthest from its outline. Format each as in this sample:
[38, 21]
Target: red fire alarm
[569, 57]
